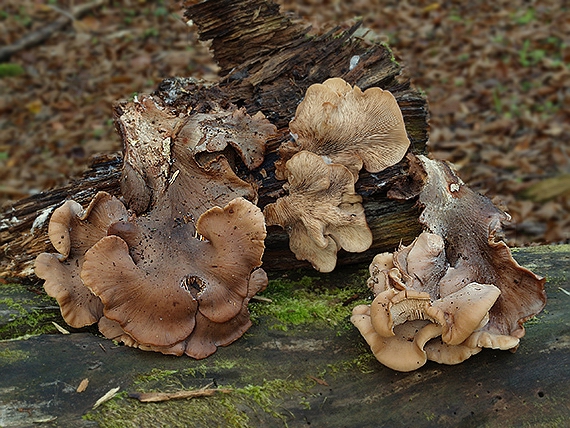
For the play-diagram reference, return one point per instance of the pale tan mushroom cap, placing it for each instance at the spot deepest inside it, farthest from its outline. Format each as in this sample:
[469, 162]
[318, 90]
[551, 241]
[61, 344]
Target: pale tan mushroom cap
[409, 293]
[351, 127]
[321, 213]
[404, 350]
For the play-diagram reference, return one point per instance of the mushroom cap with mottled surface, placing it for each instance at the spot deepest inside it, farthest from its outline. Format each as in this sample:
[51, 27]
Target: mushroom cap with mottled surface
[72, 231]
[159, 278]
[348, 126]
[162, 148]
[469, 222]
[321, 213]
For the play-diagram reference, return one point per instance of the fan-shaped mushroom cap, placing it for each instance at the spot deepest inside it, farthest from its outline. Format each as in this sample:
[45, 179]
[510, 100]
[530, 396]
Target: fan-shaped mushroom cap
[468, 222]
[404, 350]
[349, 127]
[72, 231]
[152, 307]
[322, 212]
[158, 280]
[463, 311]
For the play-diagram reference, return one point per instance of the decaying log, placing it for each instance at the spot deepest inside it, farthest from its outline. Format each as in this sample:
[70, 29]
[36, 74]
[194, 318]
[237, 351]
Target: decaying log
[267, 62]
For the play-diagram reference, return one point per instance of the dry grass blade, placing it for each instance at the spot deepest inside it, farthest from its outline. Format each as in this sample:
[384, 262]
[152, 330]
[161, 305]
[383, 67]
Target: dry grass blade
[106, 397]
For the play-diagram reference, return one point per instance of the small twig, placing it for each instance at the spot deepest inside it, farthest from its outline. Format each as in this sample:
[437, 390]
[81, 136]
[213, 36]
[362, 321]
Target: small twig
[153, 397]
[42, 34]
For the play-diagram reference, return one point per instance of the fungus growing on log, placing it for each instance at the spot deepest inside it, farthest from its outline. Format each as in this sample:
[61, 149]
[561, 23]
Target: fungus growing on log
[175, 279]
[176, 275]
[347, 126]
[163, 151]
[461, 289]
[72, 231]
[322, 213]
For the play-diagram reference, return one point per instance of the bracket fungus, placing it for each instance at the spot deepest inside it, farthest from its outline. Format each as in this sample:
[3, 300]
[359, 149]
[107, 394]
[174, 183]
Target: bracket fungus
[173, 270]
[72, 231]
[322, 213]
[458, 288]
[158, 284]
[348, 126]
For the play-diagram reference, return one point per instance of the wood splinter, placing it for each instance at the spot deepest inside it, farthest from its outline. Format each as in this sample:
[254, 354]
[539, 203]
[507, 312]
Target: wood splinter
[154, 397]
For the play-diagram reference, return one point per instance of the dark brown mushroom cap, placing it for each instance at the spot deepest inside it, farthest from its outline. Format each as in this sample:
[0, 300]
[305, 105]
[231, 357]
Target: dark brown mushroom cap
[152, 306]
[160, 148]
[235, 236]
[208, 335]
[469, 222]
[155, 280]
[72, 231]
[321, 213]
[113, 330]
[213, 132]
[349, 127]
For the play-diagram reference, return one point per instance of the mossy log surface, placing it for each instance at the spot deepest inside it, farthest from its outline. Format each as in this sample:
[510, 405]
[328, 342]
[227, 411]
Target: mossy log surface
[301, 363]
[267, 62]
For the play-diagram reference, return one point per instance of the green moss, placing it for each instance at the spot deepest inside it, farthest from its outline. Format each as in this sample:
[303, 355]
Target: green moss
[27, 319]
[9, 356]
[11, 70]
[310, 300]
[154, 375]
[364, 362]
[238, 408]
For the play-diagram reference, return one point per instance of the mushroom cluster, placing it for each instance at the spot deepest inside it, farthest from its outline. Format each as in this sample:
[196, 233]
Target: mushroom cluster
[454, 290]
[174, 271]
[172, 265]
[337, 130]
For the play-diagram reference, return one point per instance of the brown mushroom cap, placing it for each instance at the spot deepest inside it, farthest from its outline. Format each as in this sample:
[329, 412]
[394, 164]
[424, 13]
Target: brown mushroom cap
[213, 132]
[208, 335]
[160, 152]
[321, 213]
[349, 127]
[72, 231]
[469, 222]
[153, 307]
[156, 276]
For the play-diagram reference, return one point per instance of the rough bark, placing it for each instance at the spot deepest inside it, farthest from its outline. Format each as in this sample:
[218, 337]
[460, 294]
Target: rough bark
[267, 62]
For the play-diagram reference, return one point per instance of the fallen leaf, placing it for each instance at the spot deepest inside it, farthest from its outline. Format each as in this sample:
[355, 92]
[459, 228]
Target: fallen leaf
[83, 385]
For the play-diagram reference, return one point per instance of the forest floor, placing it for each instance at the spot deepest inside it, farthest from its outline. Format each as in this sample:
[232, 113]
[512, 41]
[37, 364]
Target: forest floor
[495, 74]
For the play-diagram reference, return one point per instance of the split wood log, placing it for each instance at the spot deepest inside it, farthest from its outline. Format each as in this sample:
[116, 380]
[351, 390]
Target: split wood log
[267, 62]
